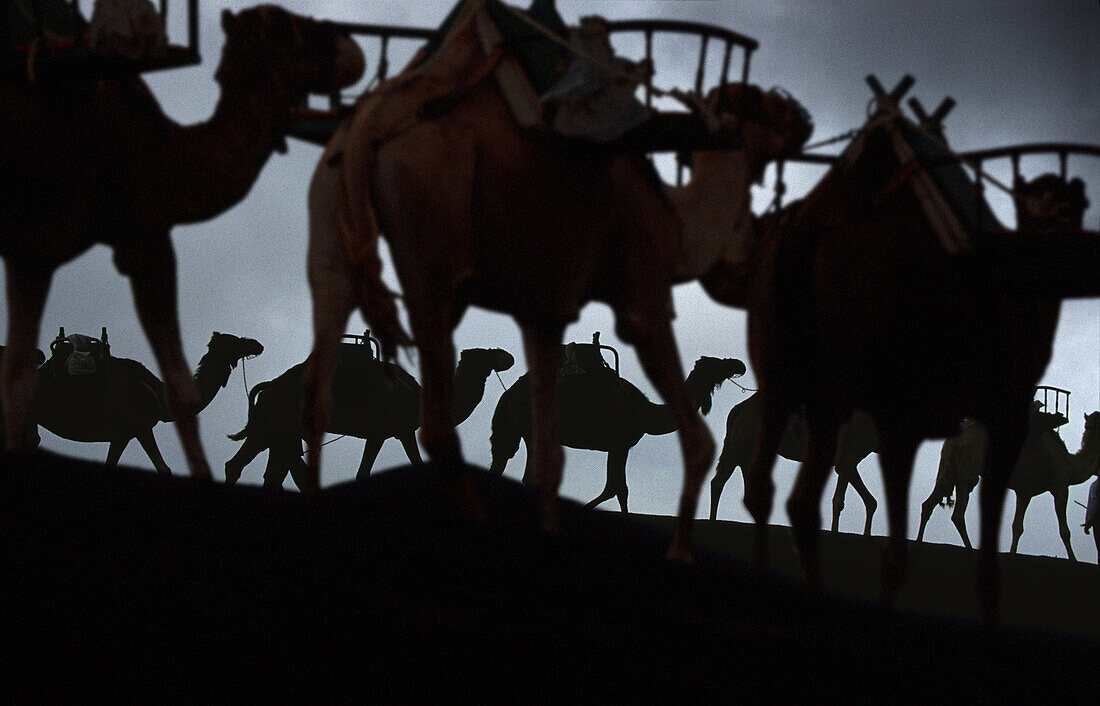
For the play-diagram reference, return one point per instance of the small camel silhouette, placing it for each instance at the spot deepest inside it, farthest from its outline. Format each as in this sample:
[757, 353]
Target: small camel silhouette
[95, 160]
[123, 400]
[600, 411]
[858, 440]
[372, 400]
[1045, 466]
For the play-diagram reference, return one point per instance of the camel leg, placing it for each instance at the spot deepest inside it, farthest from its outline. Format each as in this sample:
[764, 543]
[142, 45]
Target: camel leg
[1022, 504]
[371, 447]
[958, 514]
[656, 346]
[408, 442]
[250, 449]
[281, 458]
[927, 508]
[1006, 438]
[870, 505]
[838, 498]
[896, 452]
[759, 487]
[152, 271]
[804, 503]
[1061, 499]
[544, 454]
[722, 473]
[114, 452]
[616, 480]
[27, 286]
[149, 443]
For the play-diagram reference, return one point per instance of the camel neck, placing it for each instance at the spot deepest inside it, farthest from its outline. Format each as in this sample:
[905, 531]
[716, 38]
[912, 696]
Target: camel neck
[216, 162]
[469, 389]
[714, 210]
[211, 376]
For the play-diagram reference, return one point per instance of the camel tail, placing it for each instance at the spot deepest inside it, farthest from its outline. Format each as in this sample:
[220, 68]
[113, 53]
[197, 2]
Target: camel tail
[360, 230]
[252, 395]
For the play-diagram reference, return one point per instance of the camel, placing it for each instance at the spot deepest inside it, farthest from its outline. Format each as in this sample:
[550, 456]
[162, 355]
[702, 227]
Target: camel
[480, 212]
[372, 400]
[857, 441]
[872, 294]
[88, 161]
[600, 411]
[124, 401]
[1045, 466]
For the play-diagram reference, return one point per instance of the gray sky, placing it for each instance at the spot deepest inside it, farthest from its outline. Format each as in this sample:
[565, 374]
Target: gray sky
[1020, 71]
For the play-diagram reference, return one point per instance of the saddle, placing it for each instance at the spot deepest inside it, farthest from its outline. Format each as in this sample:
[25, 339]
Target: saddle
[78, 355]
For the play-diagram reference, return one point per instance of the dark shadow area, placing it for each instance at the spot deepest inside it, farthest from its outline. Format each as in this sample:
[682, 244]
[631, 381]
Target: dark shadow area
[126, 582]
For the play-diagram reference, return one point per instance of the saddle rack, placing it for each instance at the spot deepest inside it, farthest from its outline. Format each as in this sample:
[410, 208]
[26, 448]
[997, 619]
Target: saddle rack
[355, 344]
[72, 58]
[713, 68]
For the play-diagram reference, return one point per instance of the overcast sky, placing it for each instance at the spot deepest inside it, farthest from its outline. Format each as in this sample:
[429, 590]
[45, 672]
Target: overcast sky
[1020, 71]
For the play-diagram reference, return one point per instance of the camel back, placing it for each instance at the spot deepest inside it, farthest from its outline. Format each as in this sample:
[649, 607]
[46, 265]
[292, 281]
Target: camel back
[951, 202]
[438, 78]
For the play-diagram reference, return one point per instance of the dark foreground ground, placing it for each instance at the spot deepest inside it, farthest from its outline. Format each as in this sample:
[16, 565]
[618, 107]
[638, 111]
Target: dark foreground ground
[123, 583]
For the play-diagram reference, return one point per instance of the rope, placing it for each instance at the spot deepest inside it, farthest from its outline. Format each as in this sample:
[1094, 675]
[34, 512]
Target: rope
[839, 138]
[502, 385]
[598, 61]
[244, 377]
[743, 388]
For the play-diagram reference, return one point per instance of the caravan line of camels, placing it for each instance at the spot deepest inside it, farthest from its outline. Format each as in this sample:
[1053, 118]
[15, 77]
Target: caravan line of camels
[478, 211]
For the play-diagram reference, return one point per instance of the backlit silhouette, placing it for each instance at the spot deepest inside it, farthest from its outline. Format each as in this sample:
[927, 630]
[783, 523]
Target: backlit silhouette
[96, 161]
[120, 399]
[600, 411]
[858, 301]
[372, 400]
[478, 212]
[857, 441]
[1045, 466]
[32, 438]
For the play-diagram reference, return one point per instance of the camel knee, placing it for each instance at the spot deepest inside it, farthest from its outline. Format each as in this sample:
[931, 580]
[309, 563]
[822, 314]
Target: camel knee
[232, 472]
[759, 496]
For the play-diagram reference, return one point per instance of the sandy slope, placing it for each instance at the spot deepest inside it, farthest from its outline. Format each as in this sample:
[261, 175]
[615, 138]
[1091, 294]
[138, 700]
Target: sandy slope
[123, 582]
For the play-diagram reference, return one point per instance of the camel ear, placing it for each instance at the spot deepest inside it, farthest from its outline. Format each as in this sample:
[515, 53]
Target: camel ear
[227, 21]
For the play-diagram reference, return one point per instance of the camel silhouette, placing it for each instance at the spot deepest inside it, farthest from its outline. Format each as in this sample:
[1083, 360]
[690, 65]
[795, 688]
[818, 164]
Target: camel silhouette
[891, 288]
[96, 161]
[122, 400]
[600, 411]
[373, 400]
[1045, 466]
[857, 441]
[479, 212]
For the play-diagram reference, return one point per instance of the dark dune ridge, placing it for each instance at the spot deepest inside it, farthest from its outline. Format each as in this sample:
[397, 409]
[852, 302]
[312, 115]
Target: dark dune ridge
[122, 582]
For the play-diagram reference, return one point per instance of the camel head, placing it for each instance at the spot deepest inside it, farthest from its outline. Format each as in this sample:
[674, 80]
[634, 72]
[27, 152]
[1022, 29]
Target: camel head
[285, 56]
[771, 123]
[1049, 202]
[488, 360]
[233, 349]
[708, 375]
